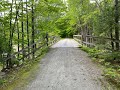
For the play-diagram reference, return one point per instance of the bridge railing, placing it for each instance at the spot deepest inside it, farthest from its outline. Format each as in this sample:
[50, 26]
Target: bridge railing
[17, 58]
[92, 41]
[88, 41]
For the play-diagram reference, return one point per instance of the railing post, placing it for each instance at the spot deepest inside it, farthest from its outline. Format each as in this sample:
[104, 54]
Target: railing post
[82, 40]
[47, 40]
[86, 41]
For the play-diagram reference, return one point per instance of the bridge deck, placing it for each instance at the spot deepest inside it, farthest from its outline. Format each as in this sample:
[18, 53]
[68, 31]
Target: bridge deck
[66, 67]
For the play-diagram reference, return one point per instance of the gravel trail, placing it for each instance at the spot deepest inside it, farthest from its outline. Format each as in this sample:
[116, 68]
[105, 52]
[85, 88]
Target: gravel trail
[66, 67]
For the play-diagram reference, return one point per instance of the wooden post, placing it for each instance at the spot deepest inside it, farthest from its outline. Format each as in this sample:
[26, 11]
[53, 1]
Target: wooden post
[117, 23]
[82, 39]
[47, 39]
[33, 30]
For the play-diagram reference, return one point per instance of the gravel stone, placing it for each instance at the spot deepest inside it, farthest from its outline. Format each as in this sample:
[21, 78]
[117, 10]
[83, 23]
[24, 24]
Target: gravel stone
[66, 67]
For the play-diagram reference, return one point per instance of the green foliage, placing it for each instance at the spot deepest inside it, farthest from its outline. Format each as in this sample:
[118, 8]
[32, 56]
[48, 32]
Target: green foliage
[110, 60]
[112, 57]
[15, 61]
[49, 12]
[113, 75]
[108, 56]
[2, 81]
[64, 27]
[93, 52]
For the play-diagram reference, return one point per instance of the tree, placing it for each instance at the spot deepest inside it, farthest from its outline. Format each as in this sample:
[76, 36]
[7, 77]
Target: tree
[24, 22]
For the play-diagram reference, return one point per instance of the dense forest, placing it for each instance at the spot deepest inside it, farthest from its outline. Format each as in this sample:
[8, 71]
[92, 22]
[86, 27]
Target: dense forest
[26, 25]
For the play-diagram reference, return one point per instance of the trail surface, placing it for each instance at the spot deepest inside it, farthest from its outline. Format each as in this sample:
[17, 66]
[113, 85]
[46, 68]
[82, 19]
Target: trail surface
[66, 67]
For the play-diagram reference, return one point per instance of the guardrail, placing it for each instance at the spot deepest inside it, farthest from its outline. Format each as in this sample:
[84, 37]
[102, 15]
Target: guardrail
[92, 41]
[17, 58]
[84, 41]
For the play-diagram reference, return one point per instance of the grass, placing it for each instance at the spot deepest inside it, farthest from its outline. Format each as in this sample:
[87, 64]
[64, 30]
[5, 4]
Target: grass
[21, 76]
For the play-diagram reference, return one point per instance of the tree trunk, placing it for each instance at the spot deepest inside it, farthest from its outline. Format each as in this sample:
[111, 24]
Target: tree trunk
[8, 62]
[116, 24]
[27, 28]
[33, 33]
[111, 35]
[22, 33]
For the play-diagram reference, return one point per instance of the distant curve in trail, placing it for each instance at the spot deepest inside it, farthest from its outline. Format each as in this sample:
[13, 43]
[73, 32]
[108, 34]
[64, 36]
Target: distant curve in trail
[68, 68]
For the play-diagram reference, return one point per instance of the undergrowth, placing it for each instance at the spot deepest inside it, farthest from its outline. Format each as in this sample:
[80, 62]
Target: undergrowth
[109, 59]
[19, 77]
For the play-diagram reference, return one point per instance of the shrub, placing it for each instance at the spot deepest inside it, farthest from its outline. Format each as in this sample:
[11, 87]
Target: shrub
[113, 56]
[93, 52]
[2, 81]
[112, 75]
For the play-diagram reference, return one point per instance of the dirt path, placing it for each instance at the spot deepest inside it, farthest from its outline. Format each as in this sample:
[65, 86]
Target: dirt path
[66, 67]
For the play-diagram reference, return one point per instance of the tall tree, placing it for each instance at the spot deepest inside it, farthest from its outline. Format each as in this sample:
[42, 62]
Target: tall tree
[117, 23]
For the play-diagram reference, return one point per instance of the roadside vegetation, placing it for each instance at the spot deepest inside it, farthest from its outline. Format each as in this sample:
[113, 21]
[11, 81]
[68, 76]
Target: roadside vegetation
[21, 76]
[111, 61]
